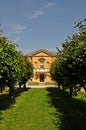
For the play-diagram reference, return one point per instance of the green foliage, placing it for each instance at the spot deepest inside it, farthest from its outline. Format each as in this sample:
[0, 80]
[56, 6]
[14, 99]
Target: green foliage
[9, 68]
[13, 65]
[26, 71]
[70, 67]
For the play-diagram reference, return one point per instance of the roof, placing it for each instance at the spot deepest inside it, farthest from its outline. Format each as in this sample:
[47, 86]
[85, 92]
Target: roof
[41, 50]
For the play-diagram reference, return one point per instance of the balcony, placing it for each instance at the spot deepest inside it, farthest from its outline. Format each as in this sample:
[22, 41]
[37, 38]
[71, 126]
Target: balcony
[41, 70]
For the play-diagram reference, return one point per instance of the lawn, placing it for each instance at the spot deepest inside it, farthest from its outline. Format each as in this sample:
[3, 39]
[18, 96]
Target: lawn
[42, 109]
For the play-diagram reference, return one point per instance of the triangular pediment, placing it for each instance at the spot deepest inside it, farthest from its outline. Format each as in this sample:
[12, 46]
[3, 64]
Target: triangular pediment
[41, 52]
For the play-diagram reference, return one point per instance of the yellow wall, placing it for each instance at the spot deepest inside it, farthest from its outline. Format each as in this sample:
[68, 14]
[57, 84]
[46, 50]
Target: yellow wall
[41, 74]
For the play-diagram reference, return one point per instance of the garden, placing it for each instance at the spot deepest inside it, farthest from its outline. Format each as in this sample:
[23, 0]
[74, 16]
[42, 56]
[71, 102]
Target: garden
[42, 109]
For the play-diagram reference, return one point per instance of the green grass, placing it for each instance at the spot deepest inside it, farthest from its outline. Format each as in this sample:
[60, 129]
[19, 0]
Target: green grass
[50, 83]
[30, 111]
[42, 109]
[33, 83]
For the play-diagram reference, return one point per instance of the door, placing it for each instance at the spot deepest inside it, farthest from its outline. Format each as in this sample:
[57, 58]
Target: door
[41, 77]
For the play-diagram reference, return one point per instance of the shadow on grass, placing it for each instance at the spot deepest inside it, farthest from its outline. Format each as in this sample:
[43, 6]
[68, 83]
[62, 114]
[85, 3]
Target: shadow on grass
[6, 102]
[70, 112]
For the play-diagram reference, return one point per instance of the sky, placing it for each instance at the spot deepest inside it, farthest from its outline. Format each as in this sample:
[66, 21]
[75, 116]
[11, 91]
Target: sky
[40, 24]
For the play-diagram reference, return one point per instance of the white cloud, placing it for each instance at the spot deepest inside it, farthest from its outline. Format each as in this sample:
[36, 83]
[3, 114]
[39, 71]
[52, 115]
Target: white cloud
[13, 28]
[17, 28]
[13, 31]
[36, 14]
[41, 10]
[49, 4]
[17, 39]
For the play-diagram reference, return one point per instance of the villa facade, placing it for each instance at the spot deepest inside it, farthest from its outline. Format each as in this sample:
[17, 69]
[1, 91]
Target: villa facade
[41, 60]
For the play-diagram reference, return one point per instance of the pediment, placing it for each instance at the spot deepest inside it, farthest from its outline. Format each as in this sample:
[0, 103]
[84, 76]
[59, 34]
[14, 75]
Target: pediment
[41, 52]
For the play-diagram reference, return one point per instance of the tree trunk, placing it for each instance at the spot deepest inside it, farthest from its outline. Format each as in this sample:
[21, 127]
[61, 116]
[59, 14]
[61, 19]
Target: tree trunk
[11, 90]
[24, 85]
[19, 85]
[71, 91]
[58, 85]
[1, 90]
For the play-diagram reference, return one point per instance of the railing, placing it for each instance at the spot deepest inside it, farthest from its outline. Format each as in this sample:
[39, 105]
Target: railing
[41, 70]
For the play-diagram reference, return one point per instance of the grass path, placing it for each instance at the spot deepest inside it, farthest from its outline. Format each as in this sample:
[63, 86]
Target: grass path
[43, 109]
[30, 112]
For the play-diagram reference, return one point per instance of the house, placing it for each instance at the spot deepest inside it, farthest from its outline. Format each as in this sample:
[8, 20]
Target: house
[41, 60]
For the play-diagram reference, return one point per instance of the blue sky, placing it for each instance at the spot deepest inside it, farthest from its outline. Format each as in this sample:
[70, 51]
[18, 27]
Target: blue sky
[35, 24]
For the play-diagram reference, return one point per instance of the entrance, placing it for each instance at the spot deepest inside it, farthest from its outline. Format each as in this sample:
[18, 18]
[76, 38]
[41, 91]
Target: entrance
[41, 77]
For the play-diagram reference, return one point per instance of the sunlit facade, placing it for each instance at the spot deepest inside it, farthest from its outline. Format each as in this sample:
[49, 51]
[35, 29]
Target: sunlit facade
[41, 60]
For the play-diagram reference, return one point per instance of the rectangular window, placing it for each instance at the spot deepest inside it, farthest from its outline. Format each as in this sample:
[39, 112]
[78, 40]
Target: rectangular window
[41, 64]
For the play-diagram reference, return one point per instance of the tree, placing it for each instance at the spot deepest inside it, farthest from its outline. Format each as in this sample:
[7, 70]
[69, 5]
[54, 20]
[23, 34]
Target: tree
[9, 64]
[26, 71]
[14, 67]
[56, 71]
[71, 64]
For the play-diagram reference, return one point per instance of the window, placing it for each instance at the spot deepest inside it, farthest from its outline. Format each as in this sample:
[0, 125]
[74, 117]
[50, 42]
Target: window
[41, 63]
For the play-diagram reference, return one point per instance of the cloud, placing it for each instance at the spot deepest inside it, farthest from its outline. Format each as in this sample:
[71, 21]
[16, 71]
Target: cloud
[17, 28]
[17, 39]
[41, 10]
[49, 4]
[13, 30]
[16, 32]
[36, 14]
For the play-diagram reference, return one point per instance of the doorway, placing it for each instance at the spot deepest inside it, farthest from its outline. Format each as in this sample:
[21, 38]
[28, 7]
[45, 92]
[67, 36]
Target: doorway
[41, 77]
